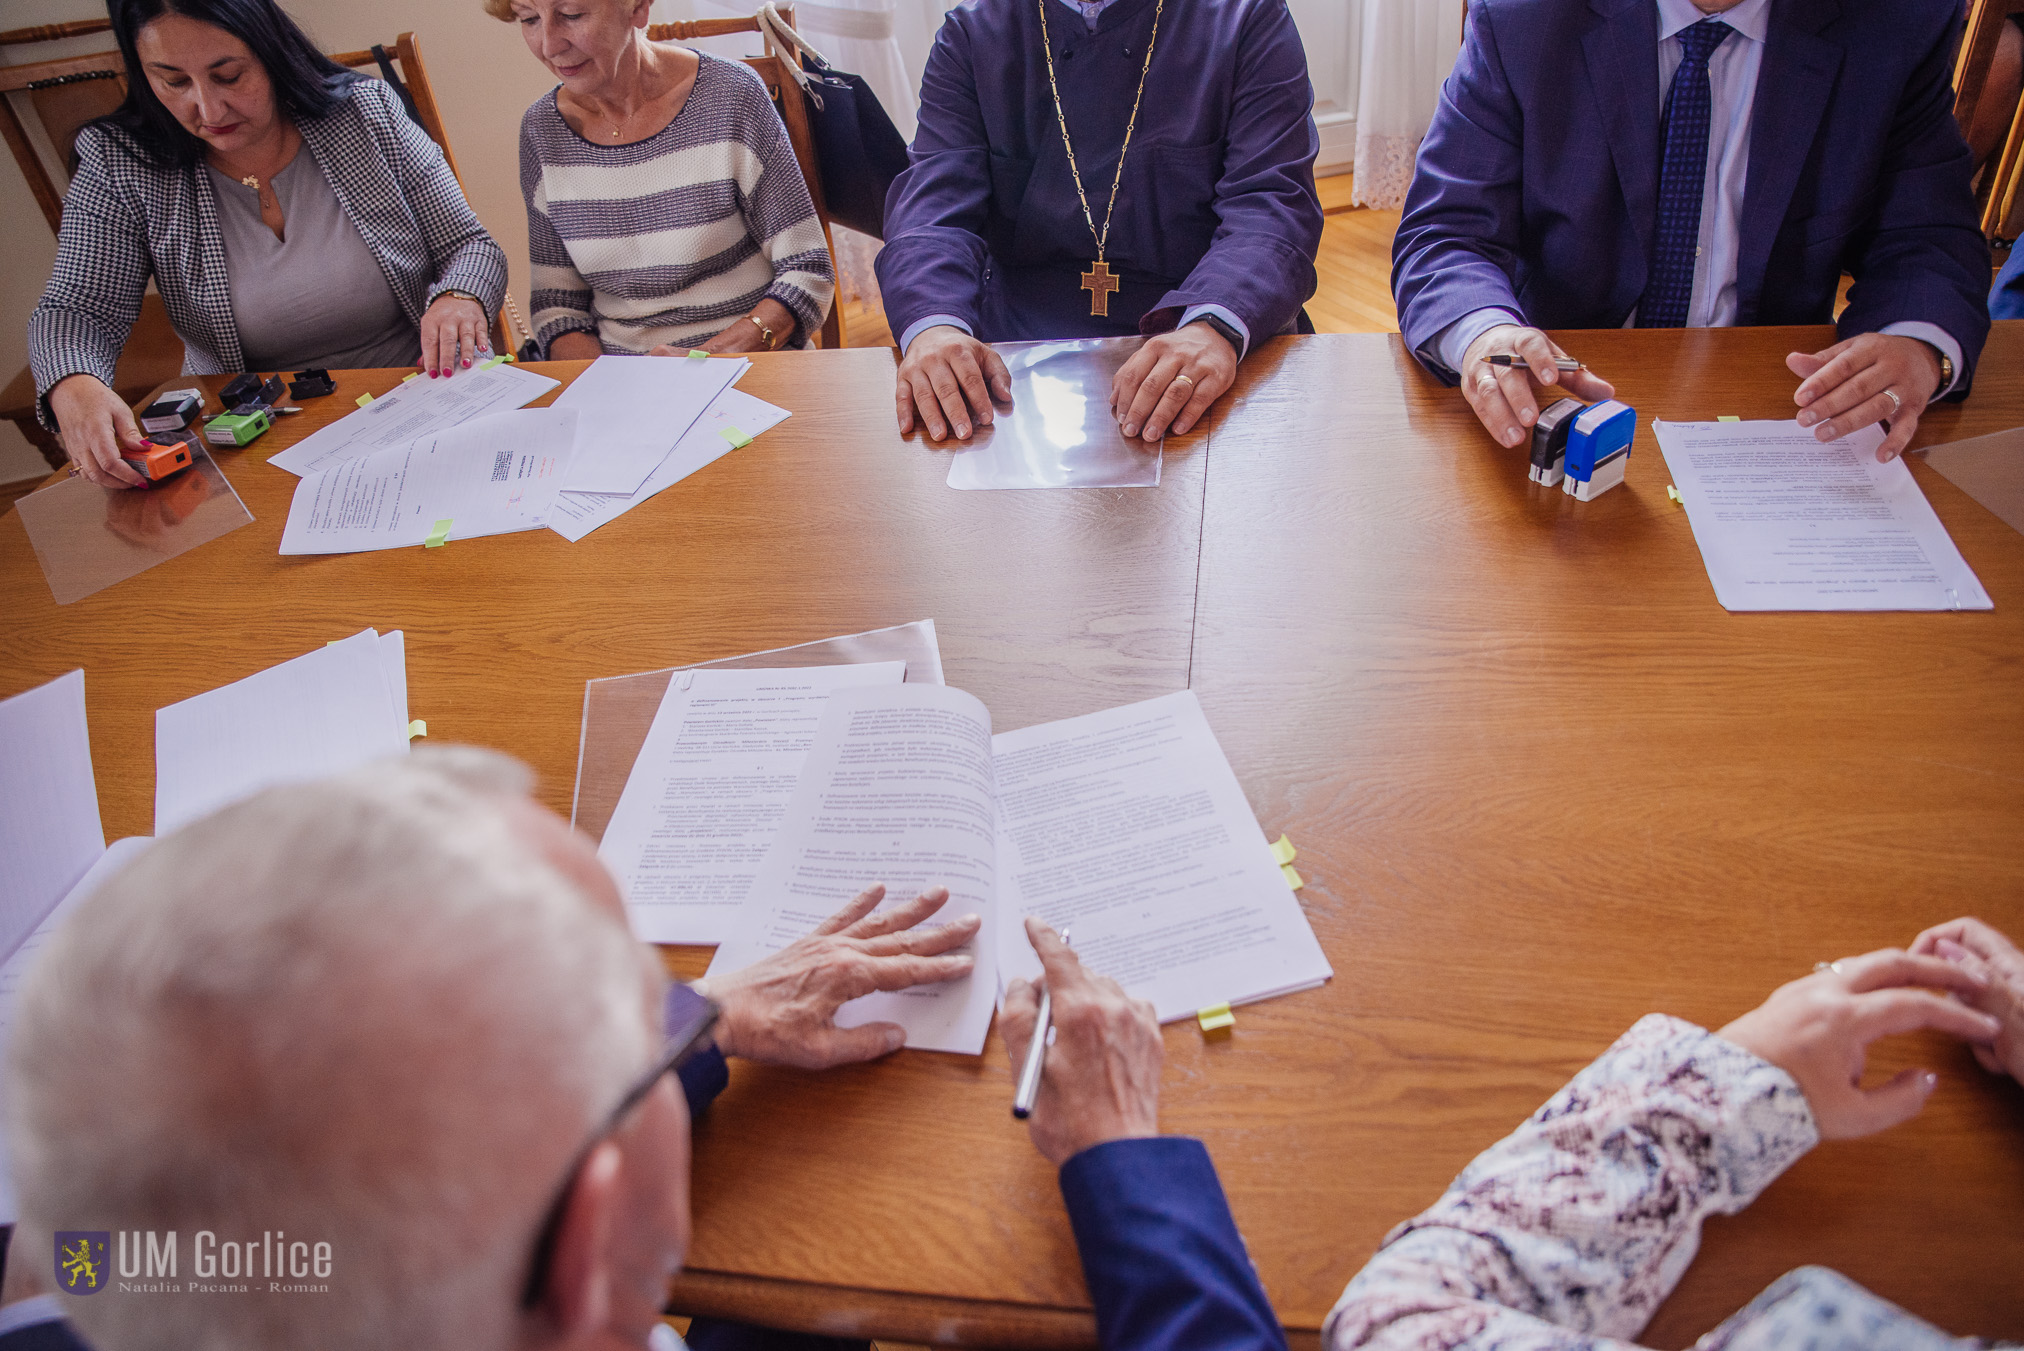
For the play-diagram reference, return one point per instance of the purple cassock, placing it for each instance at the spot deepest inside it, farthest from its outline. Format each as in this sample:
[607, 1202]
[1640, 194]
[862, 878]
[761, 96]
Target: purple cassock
[1217, 205]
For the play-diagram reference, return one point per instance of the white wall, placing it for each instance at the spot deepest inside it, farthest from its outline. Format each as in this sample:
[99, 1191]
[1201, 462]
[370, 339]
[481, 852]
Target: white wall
[484, 79]
[1331, 31]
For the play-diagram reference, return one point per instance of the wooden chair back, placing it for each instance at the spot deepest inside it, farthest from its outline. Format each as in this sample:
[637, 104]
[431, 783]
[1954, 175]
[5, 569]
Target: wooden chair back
[793, 112]
[1998, 193]
[60, 96]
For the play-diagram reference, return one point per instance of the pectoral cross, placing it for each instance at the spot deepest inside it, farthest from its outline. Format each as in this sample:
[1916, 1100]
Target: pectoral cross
[1099, 283]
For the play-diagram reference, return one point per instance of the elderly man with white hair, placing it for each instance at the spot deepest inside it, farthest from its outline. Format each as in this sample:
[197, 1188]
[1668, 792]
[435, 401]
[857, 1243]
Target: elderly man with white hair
[391, 1031]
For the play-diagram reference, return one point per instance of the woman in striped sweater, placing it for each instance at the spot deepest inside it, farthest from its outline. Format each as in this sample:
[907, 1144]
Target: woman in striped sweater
[665, 208]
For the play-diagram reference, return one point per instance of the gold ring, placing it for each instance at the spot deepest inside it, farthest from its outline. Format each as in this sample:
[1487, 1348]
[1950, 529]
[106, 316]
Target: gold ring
[1189, 378]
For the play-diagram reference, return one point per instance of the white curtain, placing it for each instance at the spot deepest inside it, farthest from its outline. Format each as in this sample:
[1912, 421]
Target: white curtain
[885, 41]
[1408, 48]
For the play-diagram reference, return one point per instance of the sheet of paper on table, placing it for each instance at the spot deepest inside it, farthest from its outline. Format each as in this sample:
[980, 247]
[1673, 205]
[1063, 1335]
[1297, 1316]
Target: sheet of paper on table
[1786, 522]
[418, 408]
[17, 961]
[325, 712]
[1989, 469]
[896, 789]
[577, 514]
[49, 824]
[490, 476]
[633, 410]
[707, 793]
[1059, 432]
[87, 538]
[1129, 826]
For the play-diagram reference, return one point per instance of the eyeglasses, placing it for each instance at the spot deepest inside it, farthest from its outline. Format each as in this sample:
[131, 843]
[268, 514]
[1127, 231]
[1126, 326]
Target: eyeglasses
[688, 1017]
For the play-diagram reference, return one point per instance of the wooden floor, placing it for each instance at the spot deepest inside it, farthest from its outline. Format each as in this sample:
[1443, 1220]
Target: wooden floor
[1354, 267]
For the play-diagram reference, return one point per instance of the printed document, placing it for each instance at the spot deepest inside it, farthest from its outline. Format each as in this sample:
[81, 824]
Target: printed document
[1127, 825]
[18, 961]
[490, 476]
[49, 825]
[421, 407]
[709, 788]
[577, 514]
[1785, 522]
[632, 410]
[328, 711]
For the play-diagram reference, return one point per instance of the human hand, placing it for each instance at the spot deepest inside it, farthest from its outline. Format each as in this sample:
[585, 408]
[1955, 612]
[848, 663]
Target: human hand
[1171, 381]
[1976, 947]
[1818, 1030]
[96, 426]
[1842, 387]
[782, 1008]
[1102, 1078]
[1502, 395]
[949, 380]
[451, 323]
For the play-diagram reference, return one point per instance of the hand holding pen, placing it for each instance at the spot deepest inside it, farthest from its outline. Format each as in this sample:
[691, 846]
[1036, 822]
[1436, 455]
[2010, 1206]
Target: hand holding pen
[1100, 1079]
[1501, 369]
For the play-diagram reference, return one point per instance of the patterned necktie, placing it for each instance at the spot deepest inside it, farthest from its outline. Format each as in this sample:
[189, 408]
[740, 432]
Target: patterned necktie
[1689, 108]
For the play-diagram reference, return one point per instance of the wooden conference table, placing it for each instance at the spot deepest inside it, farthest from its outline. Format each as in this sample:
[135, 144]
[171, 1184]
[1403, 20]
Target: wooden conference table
[1541, 784]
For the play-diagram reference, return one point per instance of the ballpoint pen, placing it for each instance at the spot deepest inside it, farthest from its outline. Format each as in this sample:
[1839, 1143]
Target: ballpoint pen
[1507, 359]
[1036, 1053]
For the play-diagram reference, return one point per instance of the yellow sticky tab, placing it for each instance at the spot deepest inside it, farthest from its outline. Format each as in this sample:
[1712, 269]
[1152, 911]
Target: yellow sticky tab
[437, 535]
[737, 438]
[416, 376]
[488, 365]
[1293, 879]
[1674, 493]
[364, 399]
[1728, 418]
[417, 728]
[1216, 1018]
[698, 354]
[1283, 850]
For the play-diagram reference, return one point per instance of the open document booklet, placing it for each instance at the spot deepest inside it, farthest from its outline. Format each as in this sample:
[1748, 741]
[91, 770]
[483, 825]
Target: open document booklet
[764, 800]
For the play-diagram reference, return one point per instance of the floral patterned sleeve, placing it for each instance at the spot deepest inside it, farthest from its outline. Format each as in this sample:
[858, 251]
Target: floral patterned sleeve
[1574, 1228]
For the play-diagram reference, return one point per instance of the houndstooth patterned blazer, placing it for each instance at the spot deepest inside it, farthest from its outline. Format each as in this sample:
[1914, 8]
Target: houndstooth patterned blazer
[125, 219]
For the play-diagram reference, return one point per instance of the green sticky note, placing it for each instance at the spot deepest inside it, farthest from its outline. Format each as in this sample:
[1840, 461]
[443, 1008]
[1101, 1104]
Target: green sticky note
[488, 365]
[437, 534]
[416, 376]
[1728, 418]
[417, 728]
[737, 438]
[364, 399]
[698, 354]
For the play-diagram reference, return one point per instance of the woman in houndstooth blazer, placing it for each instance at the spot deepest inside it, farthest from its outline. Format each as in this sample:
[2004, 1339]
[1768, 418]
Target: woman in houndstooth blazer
[231, 112]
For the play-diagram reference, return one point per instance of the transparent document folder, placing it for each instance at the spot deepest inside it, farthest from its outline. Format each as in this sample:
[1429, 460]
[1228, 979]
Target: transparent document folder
[1059, 432]
[617, 712]
[87, 537]
[1989, 469]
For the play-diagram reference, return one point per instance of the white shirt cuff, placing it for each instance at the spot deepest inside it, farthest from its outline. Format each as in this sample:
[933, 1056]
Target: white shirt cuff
[30, 1312]
[1194, 312]
[1451, 344]
[1938, 337]
[920, 326]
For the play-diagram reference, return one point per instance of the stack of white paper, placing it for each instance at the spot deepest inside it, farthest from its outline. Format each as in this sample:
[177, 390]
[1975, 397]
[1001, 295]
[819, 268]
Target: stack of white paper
[733, 417]
[492, 475]
[421, 407]
[1787, 522]
[632, 410]
[323, 713]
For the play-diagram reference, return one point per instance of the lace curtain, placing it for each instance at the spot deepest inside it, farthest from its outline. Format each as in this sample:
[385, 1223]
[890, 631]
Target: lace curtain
[1408, 47]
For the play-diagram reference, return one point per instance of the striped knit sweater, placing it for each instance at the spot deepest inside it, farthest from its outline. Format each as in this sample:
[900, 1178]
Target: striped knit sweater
[674, 238]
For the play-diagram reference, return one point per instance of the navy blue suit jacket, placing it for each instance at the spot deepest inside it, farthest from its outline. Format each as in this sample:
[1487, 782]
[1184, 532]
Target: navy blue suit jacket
[1537, 183]
[1165, 1265]
[1216, 207]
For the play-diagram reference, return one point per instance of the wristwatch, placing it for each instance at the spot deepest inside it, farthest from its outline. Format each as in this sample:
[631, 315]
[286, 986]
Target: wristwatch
[1946, 371]
[765, 333]
[1229, 333]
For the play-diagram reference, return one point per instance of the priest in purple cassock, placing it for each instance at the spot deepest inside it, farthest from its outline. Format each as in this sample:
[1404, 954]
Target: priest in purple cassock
[1205, 240]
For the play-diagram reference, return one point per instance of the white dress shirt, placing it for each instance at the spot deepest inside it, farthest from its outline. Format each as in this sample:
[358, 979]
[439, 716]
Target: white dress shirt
[1091, 11]
[1732, 82]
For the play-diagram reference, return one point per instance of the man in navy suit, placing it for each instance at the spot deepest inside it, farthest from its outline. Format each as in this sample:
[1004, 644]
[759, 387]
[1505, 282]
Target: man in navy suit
[1666, 163]
[399, 1013]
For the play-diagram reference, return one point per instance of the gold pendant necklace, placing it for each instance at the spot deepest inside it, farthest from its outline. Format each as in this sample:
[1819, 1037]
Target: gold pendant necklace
[1098, 281]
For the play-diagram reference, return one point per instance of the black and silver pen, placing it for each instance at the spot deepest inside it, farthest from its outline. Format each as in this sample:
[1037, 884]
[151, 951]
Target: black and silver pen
[1036, 1053]
[1560, 363]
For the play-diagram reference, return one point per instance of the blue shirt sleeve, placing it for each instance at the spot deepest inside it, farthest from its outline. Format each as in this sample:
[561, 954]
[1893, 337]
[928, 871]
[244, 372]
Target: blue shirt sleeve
[1165, 1264]
[703, 1077]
